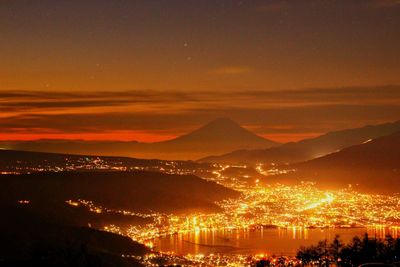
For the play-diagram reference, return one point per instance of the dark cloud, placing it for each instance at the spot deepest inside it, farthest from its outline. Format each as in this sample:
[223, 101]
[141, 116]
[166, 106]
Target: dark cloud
[306, 97]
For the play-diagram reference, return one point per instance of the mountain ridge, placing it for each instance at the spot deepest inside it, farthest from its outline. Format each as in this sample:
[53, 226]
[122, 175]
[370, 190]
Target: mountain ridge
[372, 166]
[308, 148]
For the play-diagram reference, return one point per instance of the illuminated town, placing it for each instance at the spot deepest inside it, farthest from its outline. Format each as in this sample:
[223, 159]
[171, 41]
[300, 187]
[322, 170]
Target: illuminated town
[302, 206]
[298, 208]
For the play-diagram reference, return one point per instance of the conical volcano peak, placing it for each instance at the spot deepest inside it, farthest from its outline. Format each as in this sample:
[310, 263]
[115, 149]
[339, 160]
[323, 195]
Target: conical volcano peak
[222, 130]
[222, 123]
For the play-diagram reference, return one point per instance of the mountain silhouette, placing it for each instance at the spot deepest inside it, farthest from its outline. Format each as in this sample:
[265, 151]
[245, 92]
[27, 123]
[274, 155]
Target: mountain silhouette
[217, 137]
[372, 166]
[222, 130]
[308, 148]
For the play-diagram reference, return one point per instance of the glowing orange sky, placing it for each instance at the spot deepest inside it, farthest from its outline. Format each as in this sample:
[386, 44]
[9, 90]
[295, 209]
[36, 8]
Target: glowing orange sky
[89, 136]
[142, 70]
[132, 136]
[188, 45]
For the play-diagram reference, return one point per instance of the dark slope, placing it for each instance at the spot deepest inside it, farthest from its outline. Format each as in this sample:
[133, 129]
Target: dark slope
[217, 137]
[373, 166]
[309, 148]
[31, 240]
[136, 191]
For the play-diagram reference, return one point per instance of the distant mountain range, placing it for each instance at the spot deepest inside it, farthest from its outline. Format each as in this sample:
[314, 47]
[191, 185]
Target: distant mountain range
[373, 166]
[309, 148]
[12, 161]
[217, 137]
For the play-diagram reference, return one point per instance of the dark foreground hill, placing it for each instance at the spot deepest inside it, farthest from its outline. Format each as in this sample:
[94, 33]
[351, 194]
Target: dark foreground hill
[309, 148]
[136, 190]
[373, 166]
[30, 240]
[217, 137]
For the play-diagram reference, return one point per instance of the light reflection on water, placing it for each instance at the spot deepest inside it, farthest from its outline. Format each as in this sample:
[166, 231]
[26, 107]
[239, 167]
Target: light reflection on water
[274, 241]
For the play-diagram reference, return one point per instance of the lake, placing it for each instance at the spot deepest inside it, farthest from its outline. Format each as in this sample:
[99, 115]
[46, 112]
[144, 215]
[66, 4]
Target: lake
[272, 241]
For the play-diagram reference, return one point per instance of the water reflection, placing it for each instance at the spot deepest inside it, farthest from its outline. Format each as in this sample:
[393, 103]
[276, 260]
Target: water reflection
[273, 241]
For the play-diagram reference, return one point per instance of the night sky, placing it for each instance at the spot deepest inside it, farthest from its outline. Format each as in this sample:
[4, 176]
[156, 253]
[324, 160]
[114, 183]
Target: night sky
[150, 70]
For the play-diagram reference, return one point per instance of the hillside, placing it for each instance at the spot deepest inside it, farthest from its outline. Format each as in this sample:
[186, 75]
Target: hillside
[136, 191]
[373, 166]
[31, 240]
[309, 148]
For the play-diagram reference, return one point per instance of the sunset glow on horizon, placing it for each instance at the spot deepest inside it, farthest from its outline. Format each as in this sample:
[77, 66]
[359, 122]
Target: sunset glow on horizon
[152, 71]
[129, 136]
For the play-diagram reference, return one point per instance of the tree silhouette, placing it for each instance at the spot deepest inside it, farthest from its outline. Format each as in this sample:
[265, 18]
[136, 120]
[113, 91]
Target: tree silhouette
[358, 251]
